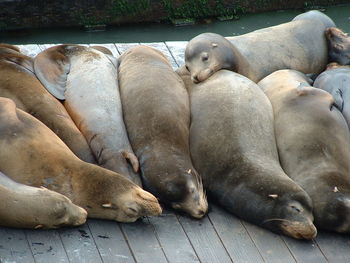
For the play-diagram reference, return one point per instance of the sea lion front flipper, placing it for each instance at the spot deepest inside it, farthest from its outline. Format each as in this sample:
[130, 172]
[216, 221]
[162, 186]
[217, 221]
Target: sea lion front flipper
[131, 157]
[51, 67]
[338, 99]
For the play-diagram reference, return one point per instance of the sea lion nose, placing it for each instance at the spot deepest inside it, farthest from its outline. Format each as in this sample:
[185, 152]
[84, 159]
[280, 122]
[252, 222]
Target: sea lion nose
[194, 78]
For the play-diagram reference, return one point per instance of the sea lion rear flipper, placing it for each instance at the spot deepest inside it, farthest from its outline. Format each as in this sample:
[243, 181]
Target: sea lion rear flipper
[133, 160]
[51, 67]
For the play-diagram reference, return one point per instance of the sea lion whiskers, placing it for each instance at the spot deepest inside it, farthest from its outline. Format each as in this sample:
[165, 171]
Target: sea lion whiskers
[276, 219]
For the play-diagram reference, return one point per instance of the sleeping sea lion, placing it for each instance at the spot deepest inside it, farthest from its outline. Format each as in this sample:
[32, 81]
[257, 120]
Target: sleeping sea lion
[31, 207]
[86, 79]
[157, 117]
[19, 83]
[313, 142]
[299, 45]
[233, 147]
[32, 154]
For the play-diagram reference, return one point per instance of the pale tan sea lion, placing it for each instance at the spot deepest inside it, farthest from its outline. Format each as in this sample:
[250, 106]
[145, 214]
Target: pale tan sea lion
[157, 117]
[313, 141]
[32, 154]
[86, 79]
[18, 82]
[32, 207]
[299, 45]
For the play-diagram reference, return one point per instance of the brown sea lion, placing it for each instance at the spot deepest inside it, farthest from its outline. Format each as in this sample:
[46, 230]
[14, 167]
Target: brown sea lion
[233, 147]
[31, 207]
[299, 45]
[338, 46]
[313, 141]
[157, 117]
[19, 83]
[32, 154]
[86, 79]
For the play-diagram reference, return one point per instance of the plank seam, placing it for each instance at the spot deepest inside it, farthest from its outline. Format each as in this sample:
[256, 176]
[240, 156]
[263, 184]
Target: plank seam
[189, 240]
[290, 251]
[157, 237]
[25, 235]
[127, 241]
[64, 248]
[320, 249]
[93, 238]
[243, 224]
[171, 54]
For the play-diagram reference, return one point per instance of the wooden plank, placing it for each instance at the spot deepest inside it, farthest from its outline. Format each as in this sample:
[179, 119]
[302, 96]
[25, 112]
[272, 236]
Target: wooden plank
[143, 241]
[14, 246]
[335, 247]
[204, 239]
[304, 251]
[234, 236]
[177, 49]
[164, 49]
[110, 241]
[29, 50]
[271, 246]
[79, 244]
[122, 47]
[46, 246]
[173, 239]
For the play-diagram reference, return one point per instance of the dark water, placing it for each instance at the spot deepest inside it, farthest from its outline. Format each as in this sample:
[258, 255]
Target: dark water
[162, 32]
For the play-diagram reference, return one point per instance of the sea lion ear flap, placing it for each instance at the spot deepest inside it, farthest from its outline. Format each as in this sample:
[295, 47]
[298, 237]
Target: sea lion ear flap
[131, 157]
[51, 67]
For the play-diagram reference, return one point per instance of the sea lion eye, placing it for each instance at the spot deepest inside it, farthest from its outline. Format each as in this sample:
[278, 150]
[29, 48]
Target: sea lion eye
[205, 56]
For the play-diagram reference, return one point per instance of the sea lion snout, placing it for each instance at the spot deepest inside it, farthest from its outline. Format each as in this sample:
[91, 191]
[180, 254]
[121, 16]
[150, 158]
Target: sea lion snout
[77, 214]
[195, 204]
[299, 230]
[137, 203]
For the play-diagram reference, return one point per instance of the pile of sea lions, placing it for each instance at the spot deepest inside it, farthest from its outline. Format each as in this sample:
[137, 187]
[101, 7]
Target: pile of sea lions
[82, 131]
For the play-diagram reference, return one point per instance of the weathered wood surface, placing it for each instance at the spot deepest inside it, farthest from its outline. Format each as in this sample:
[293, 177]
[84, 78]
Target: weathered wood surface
[219, 237]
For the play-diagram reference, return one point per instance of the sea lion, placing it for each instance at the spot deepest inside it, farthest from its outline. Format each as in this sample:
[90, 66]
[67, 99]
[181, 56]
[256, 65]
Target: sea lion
[336, 81]
[86, 79]
[316, 15]
[313, 142]
[31, 207]
[18, 82]
[338, 46]
[32, 154]
[233, 147]
[299, 45]
[157, 117]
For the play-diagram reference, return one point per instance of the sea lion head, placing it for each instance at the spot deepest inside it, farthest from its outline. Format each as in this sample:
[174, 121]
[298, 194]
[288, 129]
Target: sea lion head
[206, 54]
[60, 211]
[185, 193]
[332, 202]
[109, 195]
[338, 46]
[292, 215]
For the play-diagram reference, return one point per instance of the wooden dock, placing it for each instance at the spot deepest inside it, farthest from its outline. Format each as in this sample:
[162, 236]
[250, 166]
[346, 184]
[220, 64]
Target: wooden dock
[219, 237]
